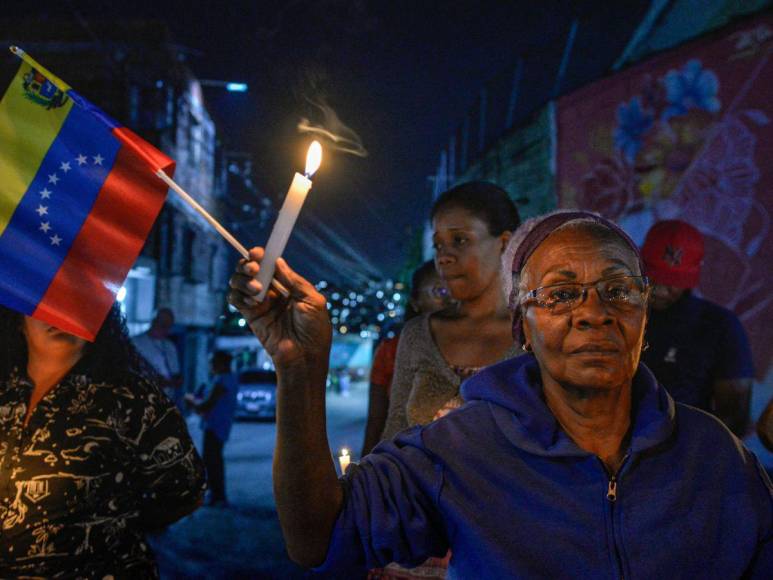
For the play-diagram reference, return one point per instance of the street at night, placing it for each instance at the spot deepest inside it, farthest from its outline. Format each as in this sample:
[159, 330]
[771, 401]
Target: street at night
[243, 540]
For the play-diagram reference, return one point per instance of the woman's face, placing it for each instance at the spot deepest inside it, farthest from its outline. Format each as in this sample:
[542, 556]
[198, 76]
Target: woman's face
[596, 345]
[42, 337]
[466, 254]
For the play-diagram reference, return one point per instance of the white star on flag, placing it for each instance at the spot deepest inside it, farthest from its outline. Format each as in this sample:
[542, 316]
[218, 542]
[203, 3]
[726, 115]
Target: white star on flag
[45, 226]
[65, 166]
[55, 240]
[98, 159]
[45, 193]
[82, 159]
[53, 178]
[42, 210]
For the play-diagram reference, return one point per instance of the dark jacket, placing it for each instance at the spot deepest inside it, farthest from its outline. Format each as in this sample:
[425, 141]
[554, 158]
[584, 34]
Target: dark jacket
[502, 485]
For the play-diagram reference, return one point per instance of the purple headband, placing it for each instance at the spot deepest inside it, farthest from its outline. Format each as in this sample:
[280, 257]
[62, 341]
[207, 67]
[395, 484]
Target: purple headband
[550, 223]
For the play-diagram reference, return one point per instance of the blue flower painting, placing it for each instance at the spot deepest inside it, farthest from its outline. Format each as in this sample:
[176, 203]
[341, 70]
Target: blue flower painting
[633, 122]
[692, 87]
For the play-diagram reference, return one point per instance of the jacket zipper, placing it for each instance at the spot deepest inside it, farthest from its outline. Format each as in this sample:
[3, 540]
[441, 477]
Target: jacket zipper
[612, 483]
[612, 489]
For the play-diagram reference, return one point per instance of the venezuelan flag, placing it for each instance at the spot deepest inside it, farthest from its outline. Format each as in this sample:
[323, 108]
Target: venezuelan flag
[78, 197]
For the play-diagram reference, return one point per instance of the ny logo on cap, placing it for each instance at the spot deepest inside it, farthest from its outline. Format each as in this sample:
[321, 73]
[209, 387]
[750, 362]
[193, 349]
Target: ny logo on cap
[672, 256]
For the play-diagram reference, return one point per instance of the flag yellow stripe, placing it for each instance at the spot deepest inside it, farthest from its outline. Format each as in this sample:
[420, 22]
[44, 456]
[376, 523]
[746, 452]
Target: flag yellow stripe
[59, 83]
[27, 130]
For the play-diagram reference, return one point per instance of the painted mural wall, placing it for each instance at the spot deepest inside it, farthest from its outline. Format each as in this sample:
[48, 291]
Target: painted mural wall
[687, 134]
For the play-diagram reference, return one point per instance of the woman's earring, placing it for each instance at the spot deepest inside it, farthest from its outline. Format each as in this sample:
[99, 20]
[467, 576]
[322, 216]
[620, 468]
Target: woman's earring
[645, 346]
[526, 347]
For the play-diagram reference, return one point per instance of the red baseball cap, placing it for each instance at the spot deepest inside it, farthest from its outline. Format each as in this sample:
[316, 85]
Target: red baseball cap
[673, 253]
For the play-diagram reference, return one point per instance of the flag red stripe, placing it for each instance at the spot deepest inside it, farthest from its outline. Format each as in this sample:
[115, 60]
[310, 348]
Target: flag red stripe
[155, 158]
[104, 250]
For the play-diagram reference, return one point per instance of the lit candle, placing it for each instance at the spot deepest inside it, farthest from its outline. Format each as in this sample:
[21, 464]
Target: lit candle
[285, 221]
[344, 459]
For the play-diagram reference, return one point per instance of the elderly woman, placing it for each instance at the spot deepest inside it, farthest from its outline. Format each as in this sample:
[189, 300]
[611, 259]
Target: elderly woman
[568, 461]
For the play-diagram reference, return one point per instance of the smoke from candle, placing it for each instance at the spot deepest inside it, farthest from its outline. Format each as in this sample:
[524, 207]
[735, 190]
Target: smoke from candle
[338, 135]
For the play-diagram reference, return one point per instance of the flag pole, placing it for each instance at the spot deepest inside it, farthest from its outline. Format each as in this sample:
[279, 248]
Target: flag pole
[187, 198]
[214, 223]
[204, 213]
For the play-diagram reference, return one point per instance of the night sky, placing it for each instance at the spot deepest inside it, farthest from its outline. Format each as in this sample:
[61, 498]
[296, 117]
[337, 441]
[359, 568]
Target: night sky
[401, 74]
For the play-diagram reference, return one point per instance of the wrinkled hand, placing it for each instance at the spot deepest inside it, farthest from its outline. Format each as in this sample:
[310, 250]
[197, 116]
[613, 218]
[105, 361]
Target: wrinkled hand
[291, 329]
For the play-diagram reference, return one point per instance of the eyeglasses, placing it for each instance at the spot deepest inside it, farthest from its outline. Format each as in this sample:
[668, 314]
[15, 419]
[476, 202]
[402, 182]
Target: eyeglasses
[621, 292]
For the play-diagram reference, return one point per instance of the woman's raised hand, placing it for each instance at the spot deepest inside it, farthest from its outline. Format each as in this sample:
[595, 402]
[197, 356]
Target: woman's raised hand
[292, 329]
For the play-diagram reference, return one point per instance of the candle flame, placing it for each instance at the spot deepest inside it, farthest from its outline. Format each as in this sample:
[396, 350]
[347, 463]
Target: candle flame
[313, 158]
[344, 451]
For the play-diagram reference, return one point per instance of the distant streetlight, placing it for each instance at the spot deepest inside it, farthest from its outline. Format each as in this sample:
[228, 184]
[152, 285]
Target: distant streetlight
[231, 87]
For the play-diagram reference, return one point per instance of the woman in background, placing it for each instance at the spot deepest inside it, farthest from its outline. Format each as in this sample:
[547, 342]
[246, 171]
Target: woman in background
[428, 294]
[472, 224]
[92, 455]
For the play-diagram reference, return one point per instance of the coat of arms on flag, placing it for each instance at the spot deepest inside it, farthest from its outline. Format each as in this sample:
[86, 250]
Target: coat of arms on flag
[78, 197]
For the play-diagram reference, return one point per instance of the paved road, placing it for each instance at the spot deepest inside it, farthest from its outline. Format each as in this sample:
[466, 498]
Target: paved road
[243, 540]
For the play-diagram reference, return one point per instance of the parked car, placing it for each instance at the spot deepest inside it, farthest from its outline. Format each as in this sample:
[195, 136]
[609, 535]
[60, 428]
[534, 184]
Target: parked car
[256, 398]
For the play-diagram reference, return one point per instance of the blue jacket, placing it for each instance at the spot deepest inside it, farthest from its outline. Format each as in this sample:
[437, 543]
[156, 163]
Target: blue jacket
[501, 484]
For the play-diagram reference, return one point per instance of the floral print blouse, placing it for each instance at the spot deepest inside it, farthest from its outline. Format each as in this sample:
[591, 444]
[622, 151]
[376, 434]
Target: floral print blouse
[97, 466]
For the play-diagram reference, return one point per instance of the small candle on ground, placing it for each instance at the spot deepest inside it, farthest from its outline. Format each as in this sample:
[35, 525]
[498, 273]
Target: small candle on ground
[285, 221]
[344, 459]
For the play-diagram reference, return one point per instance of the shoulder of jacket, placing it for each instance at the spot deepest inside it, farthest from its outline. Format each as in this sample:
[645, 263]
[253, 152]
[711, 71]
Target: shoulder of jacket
[704, 428]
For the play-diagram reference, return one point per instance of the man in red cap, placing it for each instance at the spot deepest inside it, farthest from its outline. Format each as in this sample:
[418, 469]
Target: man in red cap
[697, 350]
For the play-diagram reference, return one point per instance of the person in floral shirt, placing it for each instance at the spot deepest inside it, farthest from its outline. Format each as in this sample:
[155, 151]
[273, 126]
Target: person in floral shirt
[92, 454]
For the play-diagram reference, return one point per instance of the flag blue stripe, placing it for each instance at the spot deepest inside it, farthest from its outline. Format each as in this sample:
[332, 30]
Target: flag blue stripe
[52, 211]
[94, 110]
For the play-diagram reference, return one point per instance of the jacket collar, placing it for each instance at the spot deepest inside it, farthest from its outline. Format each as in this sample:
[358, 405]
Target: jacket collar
[513, 388]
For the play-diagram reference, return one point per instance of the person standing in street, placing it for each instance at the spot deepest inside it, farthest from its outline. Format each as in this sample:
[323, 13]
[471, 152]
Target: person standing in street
[698, 350]
[217, 409]
[160, 352]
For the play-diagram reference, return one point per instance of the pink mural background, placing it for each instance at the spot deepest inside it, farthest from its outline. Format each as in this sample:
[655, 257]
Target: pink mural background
[687, 134]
